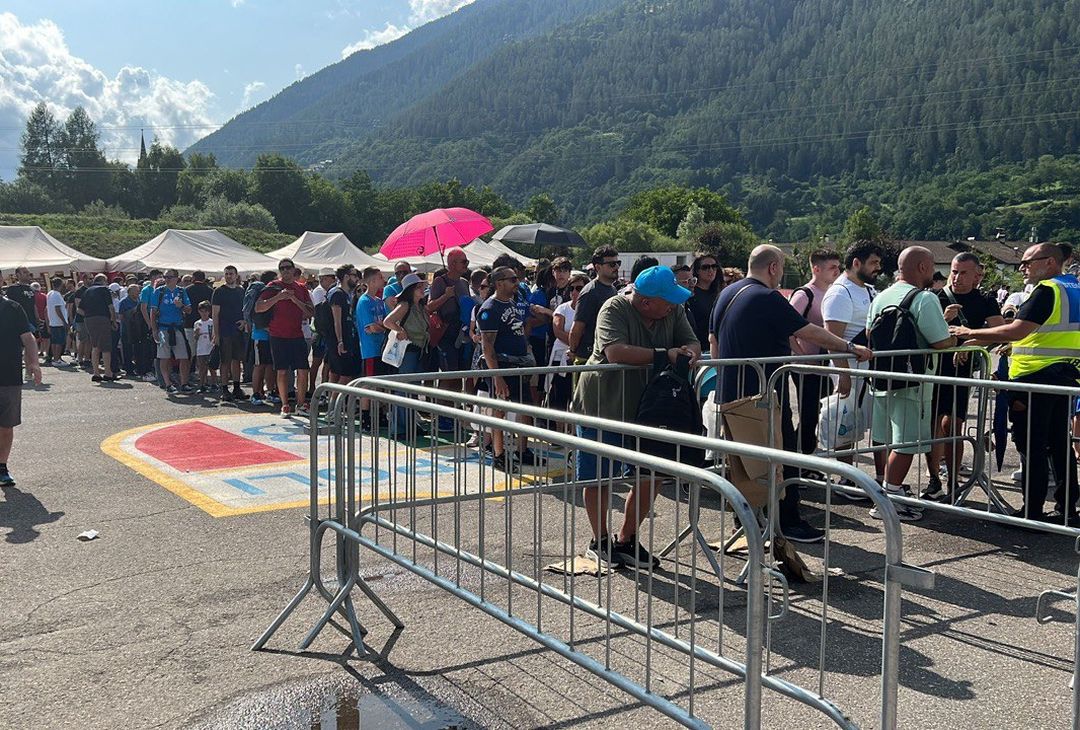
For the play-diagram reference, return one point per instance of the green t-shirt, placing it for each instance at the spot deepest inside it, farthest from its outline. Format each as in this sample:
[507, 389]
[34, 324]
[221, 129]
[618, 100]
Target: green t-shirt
[615, 395]
[930, 326]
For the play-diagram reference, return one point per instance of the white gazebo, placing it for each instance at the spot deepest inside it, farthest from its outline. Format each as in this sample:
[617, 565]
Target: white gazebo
[312, 251]
[187, 251]
[480, 253]
[32, 247]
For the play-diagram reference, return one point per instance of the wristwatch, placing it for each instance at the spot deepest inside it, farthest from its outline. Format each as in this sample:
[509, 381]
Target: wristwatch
[851, 347]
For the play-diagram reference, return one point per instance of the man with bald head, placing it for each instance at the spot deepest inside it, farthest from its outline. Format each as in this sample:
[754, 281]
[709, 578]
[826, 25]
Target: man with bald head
[1046, 349]
[904, 416]
[752, 320]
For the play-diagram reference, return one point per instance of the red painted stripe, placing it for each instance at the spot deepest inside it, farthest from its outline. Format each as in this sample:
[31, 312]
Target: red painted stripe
[195, 446]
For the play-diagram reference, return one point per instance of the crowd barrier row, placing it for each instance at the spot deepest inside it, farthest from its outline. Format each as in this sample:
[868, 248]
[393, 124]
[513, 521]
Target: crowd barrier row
[377, 498]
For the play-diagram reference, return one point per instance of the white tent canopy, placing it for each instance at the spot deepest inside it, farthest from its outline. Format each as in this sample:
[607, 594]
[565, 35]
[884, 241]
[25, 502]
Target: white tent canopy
[313, 251]
[480, 253]
[187, 251]
[35, 249]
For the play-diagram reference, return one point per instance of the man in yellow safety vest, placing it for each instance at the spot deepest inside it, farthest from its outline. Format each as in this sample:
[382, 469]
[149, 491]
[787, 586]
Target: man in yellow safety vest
[1046, 350]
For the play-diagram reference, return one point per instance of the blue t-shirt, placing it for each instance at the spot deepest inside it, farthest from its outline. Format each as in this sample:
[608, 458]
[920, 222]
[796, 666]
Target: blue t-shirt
[539, 296]
[164, 300]
[145, 294]
[392, 288]
[505, 320]
[750, 320]
[369, 310]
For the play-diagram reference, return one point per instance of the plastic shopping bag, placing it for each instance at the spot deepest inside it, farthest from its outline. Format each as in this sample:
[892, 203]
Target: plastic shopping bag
[840, 424]
[394, 352]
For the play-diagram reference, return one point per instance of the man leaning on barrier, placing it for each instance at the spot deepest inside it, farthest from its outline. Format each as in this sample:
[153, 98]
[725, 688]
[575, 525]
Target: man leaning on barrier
[649, 326]
[1046, 347]
[752, 319]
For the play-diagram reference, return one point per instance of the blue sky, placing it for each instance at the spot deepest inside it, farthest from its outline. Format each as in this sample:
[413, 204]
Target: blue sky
[178, 67]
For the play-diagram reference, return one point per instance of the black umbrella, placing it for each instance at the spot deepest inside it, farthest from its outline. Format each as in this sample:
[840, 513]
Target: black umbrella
[541, 234]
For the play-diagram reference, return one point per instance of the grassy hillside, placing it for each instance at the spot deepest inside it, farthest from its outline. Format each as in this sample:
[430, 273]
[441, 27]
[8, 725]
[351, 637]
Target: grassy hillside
[107, 237]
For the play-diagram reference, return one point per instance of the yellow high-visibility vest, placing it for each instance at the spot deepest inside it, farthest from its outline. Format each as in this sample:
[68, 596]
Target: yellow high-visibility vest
[1057, 339]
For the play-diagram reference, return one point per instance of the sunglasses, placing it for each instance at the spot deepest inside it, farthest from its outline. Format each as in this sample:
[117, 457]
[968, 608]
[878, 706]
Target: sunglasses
[616, 263]
[1028, 262]
[708, 267]
[508, 278]
[285, 268]
[576, 288]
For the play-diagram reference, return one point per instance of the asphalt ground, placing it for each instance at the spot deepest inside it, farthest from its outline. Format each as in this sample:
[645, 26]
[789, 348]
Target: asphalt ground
[150, 624]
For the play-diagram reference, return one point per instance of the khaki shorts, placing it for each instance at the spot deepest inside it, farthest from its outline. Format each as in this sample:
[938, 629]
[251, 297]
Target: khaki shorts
[99, 333]
[172, 345]
[10, 406]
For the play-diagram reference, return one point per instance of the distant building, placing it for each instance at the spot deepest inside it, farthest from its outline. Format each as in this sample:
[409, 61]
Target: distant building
[666, 258]
[1006, 254]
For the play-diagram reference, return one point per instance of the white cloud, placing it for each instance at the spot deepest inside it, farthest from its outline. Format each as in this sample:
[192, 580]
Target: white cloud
[298, 69]
[37, 65]
[424, 11]
[252, 94]
[374, 38]
[421, 11]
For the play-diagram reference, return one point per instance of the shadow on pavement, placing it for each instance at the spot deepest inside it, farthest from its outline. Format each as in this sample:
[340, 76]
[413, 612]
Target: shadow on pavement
[22, 512]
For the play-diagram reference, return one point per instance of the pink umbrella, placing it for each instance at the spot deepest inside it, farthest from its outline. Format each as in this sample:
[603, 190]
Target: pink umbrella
[436, 230]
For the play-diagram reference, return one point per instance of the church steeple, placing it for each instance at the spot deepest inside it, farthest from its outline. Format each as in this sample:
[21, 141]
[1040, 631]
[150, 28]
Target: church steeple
[142, 149]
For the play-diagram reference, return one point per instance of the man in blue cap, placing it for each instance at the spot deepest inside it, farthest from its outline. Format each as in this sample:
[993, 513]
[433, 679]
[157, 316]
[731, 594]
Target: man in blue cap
[648, 327]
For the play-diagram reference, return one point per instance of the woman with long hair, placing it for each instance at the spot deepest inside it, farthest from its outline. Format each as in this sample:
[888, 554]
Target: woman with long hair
[558, 387]
[409, 321]
[699, 306]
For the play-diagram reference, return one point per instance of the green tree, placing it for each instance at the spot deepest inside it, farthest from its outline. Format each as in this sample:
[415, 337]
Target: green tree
[24, 196]
[541, 208]
[731, 242]
[329, 209]
[863, 226]
[664, 208]
[40, 151]
[157, 178]
[84, 174]
[278, 184]
[192, 180]
[626, 235]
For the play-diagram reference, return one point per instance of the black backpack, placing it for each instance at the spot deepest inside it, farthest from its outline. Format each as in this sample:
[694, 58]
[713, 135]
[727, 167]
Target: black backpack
[809, 299]
[894, 328]
[261, 320]
[669, 403]
[324, 316]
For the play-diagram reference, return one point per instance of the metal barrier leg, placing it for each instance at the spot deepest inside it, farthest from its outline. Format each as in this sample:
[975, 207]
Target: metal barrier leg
[273, 627]
[335, 604]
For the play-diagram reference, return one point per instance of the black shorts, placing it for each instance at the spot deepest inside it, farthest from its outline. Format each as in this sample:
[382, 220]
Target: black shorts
[348, 365]
[520, 392]
[290, 353]
[260, 352]
[232, 347]
[449, 354]
[951, 401]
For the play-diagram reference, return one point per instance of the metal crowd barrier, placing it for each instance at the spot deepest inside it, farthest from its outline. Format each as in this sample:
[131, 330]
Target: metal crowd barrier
[993, 414]
[439, 533]
[896, 572]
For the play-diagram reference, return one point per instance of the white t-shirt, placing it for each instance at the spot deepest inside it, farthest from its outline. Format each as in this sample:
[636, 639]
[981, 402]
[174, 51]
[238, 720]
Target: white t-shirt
[318, 296]
[1015, 299]
[847, 302]
[204, 333]
[53, 300]
[560, 348]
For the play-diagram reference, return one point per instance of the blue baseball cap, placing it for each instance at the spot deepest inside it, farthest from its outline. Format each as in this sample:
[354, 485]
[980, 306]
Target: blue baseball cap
[659, 282]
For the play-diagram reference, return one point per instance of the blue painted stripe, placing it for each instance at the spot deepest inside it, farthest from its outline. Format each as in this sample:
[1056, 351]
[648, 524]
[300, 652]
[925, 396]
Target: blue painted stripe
[244, 486]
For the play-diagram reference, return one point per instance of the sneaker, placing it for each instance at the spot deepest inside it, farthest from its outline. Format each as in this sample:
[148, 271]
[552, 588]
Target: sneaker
[95, 379]
[302, 411]
[257, 401]
[6, 480]
[905, 512]
[529, 458]
[274, 400]
[227, 397]
[237, 392]
[934, 490]
[1018, 476]
[853, 497]
[802, 531]
[286, 412]
[603, 553]
[1057, 517]
[446, 425]
[633, 555]
[186, 389]
[501, 463]
[473, 441]
[171, 390]
[148, 378]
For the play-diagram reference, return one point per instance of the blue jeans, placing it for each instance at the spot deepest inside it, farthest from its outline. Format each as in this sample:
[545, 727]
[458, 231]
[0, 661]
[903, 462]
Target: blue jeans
[585, 468]
[402, 417]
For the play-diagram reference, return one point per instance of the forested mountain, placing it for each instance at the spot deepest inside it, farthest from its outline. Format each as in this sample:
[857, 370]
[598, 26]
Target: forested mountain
[592, 100]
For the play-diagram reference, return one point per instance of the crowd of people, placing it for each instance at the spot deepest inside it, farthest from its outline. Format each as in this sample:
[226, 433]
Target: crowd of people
[280, 332]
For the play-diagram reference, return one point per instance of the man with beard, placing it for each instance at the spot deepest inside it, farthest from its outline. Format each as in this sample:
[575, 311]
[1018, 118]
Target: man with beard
[843, 310]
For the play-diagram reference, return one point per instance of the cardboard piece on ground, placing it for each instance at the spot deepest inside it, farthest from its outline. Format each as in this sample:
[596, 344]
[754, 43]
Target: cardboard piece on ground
[577, 565]
[785, 557]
